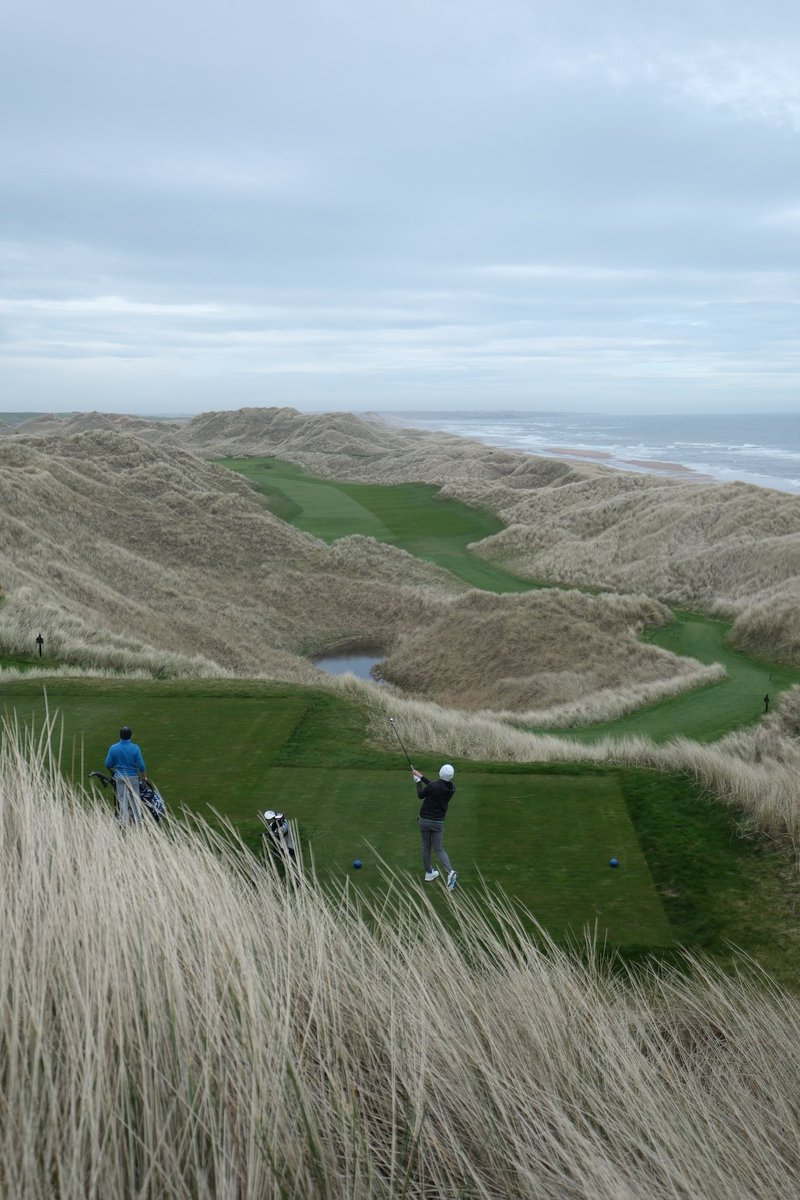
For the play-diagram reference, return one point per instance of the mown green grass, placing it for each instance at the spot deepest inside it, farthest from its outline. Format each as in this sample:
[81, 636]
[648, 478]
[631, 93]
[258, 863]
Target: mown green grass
[544, 834]
[23, 662]
[413, 516]
[416, 518]
[710, 712]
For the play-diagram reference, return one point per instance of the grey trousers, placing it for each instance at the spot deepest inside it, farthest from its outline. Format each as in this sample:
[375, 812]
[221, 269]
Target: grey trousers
[432, 834]
[129, 809]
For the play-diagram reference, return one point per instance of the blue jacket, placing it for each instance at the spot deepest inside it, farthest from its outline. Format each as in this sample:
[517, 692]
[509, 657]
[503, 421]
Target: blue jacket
[126, 758]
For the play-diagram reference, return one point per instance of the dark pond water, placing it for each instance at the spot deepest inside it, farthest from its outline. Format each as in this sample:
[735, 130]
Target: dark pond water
[339, 664]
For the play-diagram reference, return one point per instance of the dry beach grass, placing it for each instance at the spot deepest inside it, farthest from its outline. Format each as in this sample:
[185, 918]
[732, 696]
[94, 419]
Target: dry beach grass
[573, 646]
[731, 549]
[277, 1040]
[130, 553]
[126, 556]
[178, 1022]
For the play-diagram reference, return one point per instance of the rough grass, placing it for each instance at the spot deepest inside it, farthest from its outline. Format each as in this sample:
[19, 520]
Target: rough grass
[115, 579]
[731, 549]
[179, 1023]
[541, 650]
[127, 557]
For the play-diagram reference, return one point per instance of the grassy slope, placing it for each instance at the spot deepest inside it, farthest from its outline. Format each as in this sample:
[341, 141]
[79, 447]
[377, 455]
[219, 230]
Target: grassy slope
[415, 518]
[545, 834]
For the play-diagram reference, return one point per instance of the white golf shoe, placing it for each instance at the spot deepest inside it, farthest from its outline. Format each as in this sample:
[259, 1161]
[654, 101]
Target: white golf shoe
[431, 875]
[452, 879]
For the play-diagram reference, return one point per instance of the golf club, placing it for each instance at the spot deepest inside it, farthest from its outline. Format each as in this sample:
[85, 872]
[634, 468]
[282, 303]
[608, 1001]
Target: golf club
[400, 740]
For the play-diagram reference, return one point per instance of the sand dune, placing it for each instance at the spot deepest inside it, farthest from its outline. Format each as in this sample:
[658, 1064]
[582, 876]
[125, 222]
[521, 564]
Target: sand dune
[122, 553]
[173, 553]
[730, 549]
[511, 652]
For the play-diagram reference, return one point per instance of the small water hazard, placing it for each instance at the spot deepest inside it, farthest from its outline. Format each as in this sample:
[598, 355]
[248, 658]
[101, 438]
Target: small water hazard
[360, 665]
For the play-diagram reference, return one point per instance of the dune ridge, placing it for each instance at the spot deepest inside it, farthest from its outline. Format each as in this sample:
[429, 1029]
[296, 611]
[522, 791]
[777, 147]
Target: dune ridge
[732, 550]
[126, 555]
[132, 556]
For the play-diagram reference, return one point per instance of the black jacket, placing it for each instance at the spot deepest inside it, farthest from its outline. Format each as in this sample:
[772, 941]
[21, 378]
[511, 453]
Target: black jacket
[435, 797]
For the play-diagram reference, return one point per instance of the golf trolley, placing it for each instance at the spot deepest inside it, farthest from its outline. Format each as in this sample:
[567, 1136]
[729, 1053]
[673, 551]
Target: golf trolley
[150, 797]
[278, 836]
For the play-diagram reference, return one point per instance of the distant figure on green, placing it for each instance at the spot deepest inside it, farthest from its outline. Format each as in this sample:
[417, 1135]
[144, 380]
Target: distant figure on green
[766, 703]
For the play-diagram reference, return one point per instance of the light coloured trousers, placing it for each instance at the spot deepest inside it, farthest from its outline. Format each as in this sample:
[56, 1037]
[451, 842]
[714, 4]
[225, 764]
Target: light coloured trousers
[129, 809]
[432, 834]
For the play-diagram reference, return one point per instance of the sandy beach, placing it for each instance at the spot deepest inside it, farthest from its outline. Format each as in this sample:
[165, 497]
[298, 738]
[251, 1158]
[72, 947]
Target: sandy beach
[646, 466]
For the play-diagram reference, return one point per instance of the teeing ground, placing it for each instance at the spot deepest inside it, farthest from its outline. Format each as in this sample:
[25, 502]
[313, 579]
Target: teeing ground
[544, 834]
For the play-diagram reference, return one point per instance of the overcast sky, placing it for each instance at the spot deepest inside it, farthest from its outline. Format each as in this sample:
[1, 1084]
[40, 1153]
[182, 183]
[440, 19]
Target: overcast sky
[589, 205]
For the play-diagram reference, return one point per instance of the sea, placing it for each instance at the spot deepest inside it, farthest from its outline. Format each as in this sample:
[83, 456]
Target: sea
[757, 448]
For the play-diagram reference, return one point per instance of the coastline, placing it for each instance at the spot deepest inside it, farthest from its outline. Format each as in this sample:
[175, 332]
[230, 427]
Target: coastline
[761, 451]
[644, 466]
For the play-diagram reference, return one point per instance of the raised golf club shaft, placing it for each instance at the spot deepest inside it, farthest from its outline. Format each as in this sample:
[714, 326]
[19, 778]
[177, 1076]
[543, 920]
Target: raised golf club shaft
[400, 740]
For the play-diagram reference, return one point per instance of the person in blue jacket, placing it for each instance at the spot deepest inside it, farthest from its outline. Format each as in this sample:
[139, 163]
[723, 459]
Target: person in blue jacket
[124, 758]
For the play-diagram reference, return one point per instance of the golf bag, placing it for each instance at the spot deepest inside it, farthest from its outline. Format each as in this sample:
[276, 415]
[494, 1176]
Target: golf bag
[149, 795]
[152, 800]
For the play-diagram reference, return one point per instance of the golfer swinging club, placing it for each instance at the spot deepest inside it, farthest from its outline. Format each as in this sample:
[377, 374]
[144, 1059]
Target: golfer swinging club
[435, 798]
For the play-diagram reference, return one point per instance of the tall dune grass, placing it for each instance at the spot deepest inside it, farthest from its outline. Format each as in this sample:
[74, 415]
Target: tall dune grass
[180, 1022]
[546, 657]
[128, 557]
[608, 703]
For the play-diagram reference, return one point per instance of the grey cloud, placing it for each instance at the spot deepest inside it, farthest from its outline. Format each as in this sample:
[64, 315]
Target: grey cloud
[437, 199]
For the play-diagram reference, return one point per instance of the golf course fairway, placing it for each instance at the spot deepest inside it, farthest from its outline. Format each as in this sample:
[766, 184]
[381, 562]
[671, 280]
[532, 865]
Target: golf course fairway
[418, 519]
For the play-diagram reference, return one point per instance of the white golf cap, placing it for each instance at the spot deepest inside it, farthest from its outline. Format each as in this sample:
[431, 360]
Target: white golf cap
[269, 815]
[446, 772]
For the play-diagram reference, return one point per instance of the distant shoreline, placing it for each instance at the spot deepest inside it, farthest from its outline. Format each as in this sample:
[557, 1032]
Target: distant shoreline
[757, 450]
[760, 450]
[646, 466]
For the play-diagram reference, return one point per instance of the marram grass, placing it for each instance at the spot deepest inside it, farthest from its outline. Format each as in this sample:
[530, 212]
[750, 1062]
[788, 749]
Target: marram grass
[178, 1020]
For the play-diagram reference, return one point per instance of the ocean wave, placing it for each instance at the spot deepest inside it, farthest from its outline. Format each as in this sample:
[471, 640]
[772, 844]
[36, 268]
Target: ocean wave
[705, 445]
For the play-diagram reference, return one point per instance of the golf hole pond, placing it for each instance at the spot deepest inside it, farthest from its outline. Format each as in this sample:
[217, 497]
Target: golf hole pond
[356, 664]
